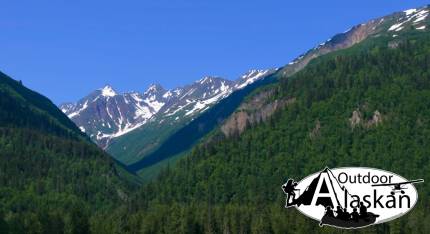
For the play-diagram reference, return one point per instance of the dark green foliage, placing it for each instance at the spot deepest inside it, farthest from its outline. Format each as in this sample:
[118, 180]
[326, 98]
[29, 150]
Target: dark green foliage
[234, 185]
[187, 136]
[52, 178]
[22, 107]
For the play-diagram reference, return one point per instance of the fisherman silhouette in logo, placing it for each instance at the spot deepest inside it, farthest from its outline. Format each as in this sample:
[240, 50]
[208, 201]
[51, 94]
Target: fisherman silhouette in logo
[345, 219]
[329, 211]
[289, 189]
[324, 183]
[346, 215]
[339, 212]
[354, 215]
[363, 211]
[342, 213]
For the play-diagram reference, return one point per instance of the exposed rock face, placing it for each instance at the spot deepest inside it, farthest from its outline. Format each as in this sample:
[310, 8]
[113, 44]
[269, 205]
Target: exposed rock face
[340, 41]
[315, 132]
[356, 119]
[393, 44]
[356, 34]
[105, 114]
[376, 119]
[252, 112]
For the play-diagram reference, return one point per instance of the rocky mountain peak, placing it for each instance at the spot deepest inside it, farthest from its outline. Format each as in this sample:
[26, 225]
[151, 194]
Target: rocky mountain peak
[154, 89]
[108, 91]
[251, 76]
[105, 114]
[209, 80]
[392, 25]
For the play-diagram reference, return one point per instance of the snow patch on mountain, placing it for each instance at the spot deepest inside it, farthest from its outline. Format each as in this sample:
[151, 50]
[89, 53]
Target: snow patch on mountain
[250, 77]
[108, 91]
[142, 112]
[412, 15]
[410, 11]
[167, 94]
[154, 104]
[66, 107]
[106, 114]
[202, 105]
[75, 113]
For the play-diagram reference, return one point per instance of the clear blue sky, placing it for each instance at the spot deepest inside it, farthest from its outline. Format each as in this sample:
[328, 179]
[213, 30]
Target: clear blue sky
[66, 49]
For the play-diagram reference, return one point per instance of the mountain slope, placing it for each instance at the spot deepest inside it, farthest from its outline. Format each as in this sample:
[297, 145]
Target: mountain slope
[260, 107]
[16, 106]
[52, 178]
[183, 105]
[394, 24]
[132, 125]
[190, 134]
[104, 114]
[368, 105]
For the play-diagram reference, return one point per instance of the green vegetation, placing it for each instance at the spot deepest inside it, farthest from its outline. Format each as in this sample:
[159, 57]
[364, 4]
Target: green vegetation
[52, 178]
[150, 173]
[135, 145]
[191, 134]
[234, 185]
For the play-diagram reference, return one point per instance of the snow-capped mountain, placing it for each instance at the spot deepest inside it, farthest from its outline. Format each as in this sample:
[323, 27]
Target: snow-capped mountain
[250, 77]
[197, 97]
[393, 25]
[415, 17]
[105, 114]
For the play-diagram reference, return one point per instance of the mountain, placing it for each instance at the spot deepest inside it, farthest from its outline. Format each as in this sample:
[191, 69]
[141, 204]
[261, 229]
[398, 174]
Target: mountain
[366, 105]
[195, 130]
[133, 142]
[104, 114]
[114, 120]
[394, 24]
[260, 108]
[52, 177]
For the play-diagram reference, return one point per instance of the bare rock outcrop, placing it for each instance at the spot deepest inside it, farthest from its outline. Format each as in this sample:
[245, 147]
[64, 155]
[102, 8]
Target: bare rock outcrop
[316, 130]
[357, 119]
[376, 119]
[340, 41]
[258, 109]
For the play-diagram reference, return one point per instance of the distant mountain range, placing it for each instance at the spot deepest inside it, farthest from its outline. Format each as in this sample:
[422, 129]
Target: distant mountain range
[133, 125]
[105, 114]
[394, 24]
[367, 105]
[360, 98]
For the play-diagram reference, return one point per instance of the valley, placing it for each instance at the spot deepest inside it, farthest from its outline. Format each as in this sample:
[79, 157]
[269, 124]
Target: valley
[211, 156]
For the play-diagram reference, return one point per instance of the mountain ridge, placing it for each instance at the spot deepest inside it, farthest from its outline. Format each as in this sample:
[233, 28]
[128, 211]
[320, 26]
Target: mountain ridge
[52, 176]
[392, 25]
[105, 114]
[235, 183]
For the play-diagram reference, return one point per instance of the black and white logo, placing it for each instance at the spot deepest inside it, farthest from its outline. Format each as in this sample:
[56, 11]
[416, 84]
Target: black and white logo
[352, 197]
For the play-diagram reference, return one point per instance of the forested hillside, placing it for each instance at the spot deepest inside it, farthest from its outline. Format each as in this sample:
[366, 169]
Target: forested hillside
[52, 178]
[365, 106]
[187, 136]
[368, 105]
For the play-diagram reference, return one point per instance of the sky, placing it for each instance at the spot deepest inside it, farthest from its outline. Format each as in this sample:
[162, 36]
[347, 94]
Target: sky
[66, 49]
